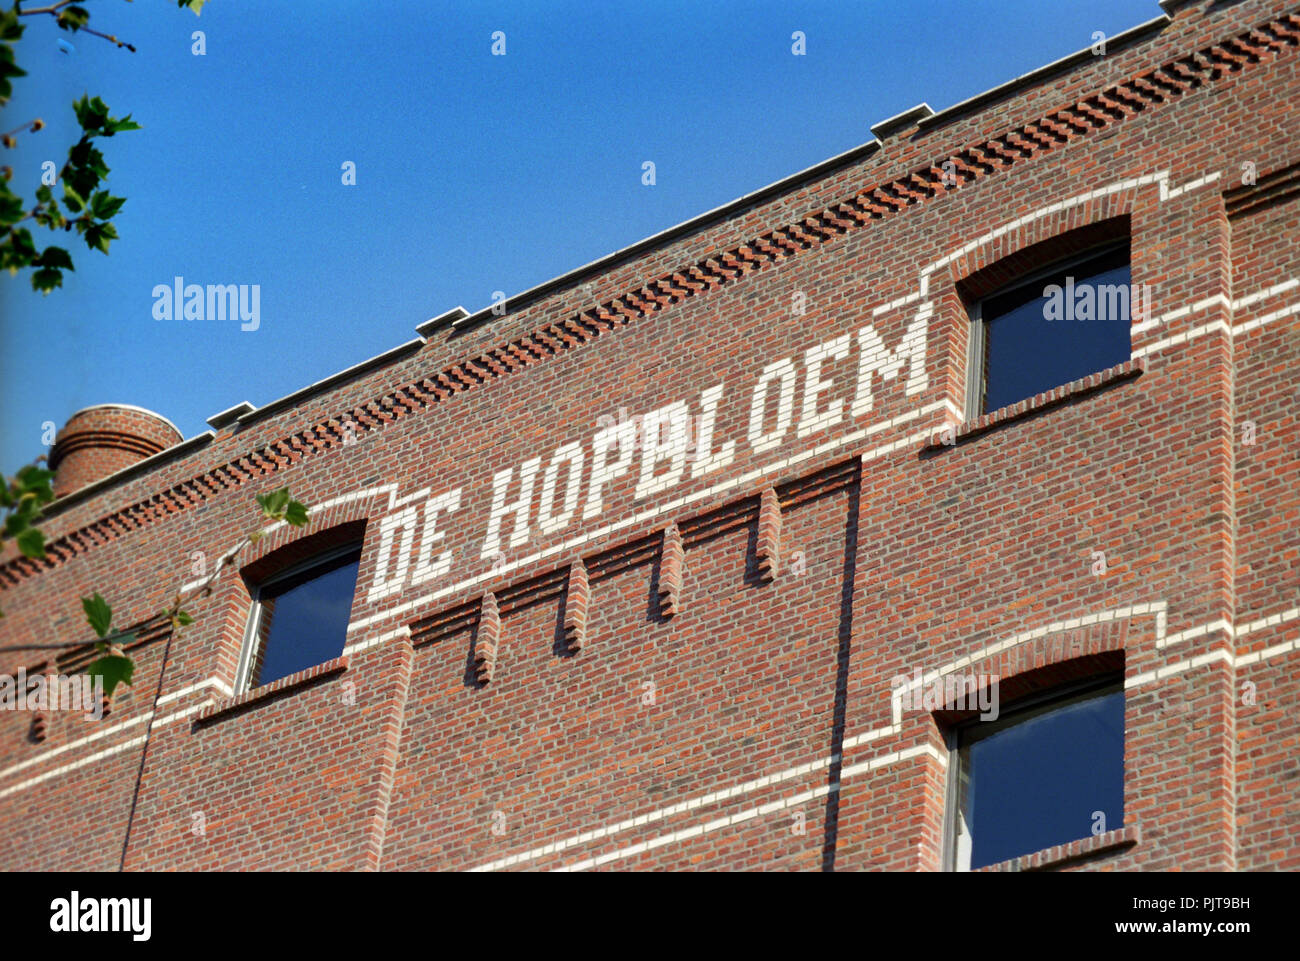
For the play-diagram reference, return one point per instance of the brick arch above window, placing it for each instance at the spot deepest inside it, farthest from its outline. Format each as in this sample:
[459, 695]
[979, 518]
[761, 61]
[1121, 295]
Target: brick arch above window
[1027, 251]
[289, 546]
[1047, 663]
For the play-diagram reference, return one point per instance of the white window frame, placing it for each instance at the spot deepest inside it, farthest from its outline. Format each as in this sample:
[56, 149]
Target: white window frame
[248, 649]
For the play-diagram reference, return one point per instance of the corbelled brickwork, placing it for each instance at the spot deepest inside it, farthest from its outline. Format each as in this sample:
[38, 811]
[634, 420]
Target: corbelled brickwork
[642, 555]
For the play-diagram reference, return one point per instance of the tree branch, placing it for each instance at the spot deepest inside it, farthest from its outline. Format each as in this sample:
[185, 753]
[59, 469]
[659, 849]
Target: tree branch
[31, 127]
[53, 11]
[108, 36]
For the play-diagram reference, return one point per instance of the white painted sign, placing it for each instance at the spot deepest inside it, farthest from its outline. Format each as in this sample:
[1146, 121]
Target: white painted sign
[545, 495]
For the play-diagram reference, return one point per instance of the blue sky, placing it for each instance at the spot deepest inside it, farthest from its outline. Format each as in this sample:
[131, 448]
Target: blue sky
[475, 173]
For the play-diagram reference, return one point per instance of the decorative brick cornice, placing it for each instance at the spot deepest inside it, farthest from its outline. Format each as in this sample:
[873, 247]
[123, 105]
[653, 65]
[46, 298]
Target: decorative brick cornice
[1148, 89]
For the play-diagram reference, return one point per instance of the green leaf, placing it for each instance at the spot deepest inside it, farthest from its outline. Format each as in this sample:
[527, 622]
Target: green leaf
[17, 522]
[73, 200]
[184, 619]
[23, 514]
[114, 669]
[54, 257]
[295, 514]
[8, 69]
[195, 5]
[85, 155]
[105, 206]
[11, 208]
[32, 543]
[91, 114]
[23, 246]
[11, 28]
[274, 503]
[46, 279]
[83, 180]
[82, 109]
[98, 614]
[31, 477]
[72, 18]
[118, 126]
[36, 480]
[98, 236]
[17, 250]
[84, 171]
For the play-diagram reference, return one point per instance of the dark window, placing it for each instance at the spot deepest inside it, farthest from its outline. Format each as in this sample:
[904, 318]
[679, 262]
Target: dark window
[1047, 773]
[1063, 324]
[300, 618]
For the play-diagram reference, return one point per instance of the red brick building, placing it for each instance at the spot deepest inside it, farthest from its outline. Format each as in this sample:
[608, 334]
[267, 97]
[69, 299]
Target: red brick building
[639, 554]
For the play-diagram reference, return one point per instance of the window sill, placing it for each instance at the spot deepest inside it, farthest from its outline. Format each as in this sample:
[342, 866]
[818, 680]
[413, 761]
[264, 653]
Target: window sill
[267, 691]
[1056, 397]
[1061, 854]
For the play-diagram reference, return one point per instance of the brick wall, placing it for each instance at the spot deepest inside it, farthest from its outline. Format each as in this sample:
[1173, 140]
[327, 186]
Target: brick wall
[716, 675]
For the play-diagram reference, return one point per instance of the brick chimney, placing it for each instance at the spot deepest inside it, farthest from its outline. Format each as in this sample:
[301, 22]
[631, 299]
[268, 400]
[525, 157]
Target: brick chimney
[101, 440]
